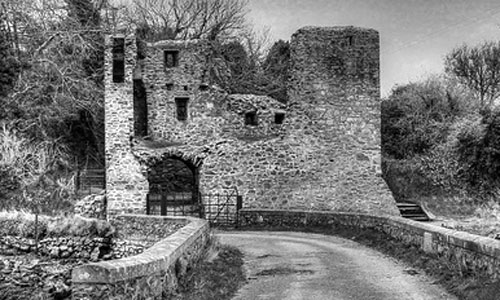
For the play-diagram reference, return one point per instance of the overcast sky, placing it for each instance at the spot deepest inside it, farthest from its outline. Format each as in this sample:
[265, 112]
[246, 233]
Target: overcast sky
[415, 34]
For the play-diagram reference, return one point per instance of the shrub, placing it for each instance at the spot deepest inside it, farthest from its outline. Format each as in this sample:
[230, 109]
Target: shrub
[79, 226]
[478, 148]
[442, 168]
[406, 179]
[22, 224]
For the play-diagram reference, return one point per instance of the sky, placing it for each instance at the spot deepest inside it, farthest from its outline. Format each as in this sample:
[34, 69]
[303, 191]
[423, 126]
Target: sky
[415, 35]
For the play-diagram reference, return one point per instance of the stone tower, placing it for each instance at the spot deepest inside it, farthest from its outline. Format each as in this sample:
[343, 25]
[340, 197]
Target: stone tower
[124, 180]
[335, 93]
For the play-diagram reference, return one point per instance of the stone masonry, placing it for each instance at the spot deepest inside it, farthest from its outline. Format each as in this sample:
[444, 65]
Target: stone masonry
[321, 151]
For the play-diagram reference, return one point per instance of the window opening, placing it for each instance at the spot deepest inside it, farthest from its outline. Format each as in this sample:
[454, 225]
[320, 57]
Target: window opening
[171, 58]
[350, 40]
[118, 60]
[140, 109]
[182, 109]
[251, 118]
[279, 117]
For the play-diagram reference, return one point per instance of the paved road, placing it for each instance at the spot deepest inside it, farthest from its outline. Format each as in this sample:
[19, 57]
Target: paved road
[289, 265]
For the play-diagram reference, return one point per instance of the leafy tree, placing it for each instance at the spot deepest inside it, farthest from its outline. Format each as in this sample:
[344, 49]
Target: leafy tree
[478, 68]
[416, 117]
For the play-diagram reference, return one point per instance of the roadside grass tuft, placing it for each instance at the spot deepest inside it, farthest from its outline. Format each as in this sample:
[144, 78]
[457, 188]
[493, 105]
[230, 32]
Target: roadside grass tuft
[217, 279]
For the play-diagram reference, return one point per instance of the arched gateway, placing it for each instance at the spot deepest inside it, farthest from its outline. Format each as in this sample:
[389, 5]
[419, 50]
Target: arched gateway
[173, 188]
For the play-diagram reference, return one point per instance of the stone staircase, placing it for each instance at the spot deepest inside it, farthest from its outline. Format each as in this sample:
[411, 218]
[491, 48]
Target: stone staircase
[412, 211]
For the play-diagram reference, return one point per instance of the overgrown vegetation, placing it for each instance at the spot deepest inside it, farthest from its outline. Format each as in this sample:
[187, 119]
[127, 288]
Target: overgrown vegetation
[25, 224]
[51, 81]
[440, 136]
[34, 174]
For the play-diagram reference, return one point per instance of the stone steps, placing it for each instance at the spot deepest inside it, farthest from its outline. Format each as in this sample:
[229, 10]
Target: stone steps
[412, 211]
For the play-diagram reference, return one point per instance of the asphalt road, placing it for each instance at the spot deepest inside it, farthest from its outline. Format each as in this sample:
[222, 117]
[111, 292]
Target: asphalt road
[290, 265]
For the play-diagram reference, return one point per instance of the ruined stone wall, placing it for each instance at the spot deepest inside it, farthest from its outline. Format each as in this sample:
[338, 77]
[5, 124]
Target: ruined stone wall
[325, 155]
[164, 84]
[126, 186]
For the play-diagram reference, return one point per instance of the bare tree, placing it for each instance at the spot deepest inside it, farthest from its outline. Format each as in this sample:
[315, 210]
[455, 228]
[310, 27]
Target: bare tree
[188, 19]
[59, 93]
[478, 68]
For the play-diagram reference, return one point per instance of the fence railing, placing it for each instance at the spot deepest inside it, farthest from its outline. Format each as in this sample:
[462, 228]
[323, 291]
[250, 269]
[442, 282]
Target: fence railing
[219, 209]
[90, 181]
[173, 204]
[222, 209]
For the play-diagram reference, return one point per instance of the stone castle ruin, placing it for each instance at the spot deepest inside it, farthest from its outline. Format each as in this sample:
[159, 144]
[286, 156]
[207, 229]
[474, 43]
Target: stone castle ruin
[169, 130]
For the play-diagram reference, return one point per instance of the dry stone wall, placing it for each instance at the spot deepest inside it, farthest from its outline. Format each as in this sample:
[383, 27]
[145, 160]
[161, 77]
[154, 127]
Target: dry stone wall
[85, 248]
[319, 152]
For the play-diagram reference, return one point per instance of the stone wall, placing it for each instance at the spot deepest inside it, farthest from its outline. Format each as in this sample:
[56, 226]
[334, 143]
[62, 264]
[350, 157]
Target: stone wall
[92, 206]
[153, 274]
[325, 155]
[475, 254]
[145, 228]
[84, 248]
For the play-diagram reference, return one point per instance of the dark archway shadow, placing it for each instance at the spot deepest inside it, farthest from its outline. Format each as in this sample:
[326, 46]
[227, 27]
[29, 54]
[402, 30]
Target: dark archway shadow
[173, 188]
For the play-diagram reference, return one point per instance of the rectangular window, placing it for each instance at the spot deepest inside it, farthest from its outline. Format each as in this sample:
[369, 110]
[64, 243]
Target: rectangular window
[118, 60]
[182, 108]
[251, 118]
[279, 117]
[171, 58]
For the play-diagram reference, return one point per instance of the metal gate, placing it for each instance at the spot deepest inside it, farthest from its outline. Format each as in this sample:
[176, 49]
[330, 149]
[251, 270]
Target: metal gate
[222, 209]
[173, 204]
[219, 209]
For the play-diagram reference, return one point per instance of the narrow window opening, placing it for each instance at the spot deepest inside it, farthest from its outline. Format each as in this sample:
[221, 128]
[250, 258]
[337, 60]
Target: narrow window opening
[170, 86]
[251, 118]
[182, 109]
[118, 60]
[350, 40]
[203, 87]
[186, 88]
[140, 109]
[171, 58]
[279, 117]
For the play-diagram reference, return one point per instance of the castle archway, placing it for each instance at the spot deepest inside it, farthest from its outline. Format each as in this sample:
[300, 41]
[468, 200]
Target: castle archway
[173, 187]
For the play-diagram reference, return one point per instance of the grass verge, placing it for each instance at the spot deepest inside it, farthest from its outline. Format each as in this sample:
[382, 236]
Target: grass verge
[445, 270]
[218, 279]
